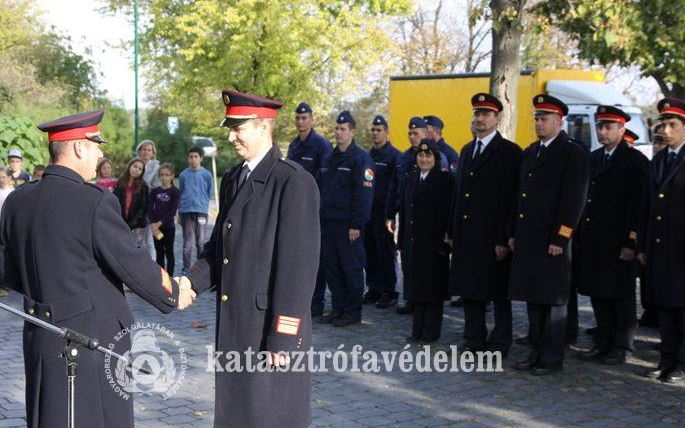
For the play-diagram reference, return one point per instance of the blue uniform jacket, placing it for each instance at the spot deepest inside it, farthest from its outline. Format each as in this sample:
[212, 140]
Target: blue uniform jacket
[450, 154]
[346, 180]
[311, 152]
[386, 160]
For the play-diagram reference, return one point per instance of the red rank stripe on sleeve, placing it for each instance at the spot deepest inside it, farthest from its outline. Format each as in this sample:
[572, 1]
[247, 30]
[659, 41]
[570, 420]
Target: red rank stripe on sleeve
[287, 325]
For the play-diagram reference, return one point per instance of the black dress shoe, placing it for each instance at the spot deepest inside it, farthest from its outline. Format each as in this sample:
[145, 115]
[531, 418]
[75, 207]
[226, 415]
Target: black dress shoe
[544, 370]
[591, 331]
[658, 372]
[370, 297]
[317, 312]
[406, 308]
[346, 319]
[458, 303]
[525, 341]
[526, 364]
[386, 301]
[673, 376]
[614, 357]
[592, 354]
[329, 317]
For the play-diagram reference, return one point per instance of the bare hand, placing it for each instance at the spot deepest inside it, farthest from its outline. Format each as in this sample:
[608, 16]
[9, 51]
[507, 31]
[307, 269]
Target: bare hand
[511, 243]
[186, 295]
[390, 226]
[501, 252]
[277, 359]
[353, 234]
[555, 250]
[642, 258]
[627, 254]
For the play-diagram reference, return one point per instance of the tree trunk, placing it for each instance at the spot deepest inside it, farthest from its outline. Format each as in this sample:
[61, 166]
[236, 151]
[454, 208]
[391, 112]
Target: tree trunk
[506, 59]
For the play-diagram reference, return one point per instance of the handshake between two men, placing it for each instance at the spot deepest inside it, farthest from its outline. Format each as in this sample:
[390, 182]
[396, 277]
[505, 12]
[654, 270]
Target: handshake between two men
[186, 295]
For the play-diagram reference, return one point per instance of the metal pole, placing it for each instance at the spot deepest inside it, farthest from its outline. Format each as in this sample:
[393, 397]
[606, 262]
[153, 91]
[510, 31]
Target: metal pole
[216, 182]
[135, 67]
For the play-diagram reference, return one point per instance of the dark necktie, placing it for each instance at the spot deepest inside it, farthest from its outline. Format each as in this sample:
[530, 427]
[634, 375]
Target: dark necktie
[605, 161]
[541, 149]
[244, 171]
[670, 159]
[476, 154]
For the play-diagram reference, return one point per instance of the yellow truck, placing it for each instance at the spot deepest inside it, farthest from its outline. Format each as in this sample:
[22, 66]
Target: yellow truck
[448, 96]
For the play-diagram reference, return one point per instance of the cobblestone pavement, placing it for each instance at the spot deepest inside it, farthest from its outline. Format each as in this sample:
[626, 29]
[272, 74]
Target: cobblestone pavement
[584, 395]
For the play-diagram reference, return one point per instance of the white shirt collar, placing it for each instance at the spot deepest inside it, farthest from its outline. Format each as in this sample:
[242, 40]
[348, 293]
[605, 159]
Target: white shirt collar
[424, 174]
[677, 149]
[610, 152]
[486, 140]
[548, 142]
[254, 162]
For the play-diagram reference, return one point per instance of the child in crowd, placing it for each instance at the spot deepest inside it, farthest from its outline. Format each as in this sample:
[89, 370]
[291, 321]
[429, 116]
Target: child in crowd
[38, 172]
[162, 207]
[6, 185]
[132, 193]
[196, 185]
[105, 175]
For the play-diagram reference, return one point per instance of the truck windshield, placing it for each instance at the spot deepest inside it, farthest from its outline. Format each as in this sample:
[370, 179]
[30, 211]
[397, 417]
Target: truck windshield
[579, 128]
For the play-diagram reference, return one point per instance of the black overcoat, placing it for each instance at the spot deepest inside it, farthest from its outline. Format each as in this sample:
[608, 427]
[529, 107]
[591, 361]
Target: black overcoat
[550, 199]
[67, 249]
[481, 209]
[263, 257]
[424, 216]
[662, 236]
[609, 223]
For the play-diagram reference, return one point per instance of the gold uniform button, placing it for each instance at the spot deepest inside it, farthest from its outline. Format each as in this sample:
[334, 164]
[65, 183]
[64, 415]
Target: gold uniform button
[225, 261]
[524, 195]
[47, 314]
[466, 216]
[657, 240]
[587, 219]
[658, 218]
[661, 196]
[467, 195]
[31, 311]
[471, 174]
[229, 225]
[224, 297]
[521, 215]
[530, 174]
[589, 200]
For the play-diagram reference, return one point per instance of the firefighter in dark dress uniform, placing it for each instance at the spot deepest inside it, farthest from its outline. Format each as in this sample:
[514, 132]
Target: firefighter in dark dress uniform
[553, 183]
[66, 248]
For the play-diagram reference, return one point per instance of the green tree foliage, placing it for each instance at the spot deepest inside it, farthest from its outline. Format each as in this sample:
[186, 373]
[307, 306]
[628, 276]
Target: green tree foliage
[42, 78]
[314, 50]
[649, 34]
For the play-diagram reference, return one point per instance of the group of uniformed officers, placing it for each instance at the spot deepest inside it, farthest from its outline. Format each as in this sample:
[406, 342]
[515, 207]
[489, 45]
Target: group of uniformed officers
[497, 223]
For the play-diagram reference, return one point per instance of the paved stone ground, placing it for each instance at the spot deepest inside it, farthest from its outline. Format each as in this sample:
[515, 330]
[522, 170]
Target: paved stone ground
[584, 395]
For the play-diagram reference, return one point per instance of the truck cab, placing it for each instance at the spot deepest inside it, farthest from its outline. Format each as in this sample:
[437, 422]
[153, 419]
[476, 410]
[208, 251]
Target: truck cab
[583, 98]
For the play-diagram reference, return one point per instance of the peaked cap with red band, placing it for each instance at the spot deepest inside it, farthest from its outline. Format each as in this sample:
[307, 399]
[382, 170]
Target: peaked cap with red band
[671, 107]
[81, 126]
[630, 137]
[611, 114]
[242, 107]
[483, 101]
[546, 104]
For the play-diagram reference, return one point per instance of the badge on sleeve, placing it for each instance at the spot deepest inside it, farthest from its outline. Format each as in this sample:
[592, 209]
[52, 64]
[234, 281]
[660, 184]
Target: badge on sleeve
[287, 325]
[368, 177]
